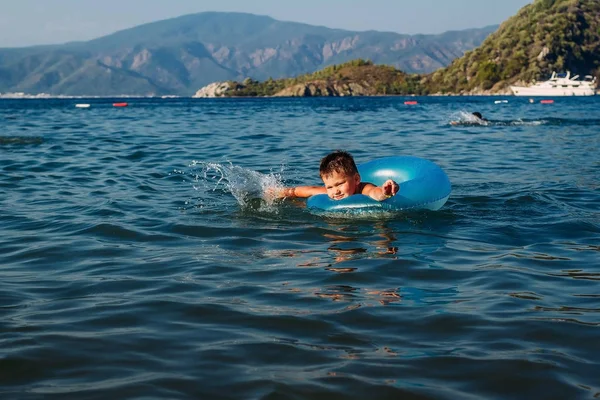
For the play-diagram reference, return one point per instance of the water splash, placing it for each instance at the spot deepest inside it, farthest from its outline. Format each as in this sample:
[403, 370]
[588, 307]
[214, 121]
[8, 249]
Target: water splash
[467, 118]
[251, 189]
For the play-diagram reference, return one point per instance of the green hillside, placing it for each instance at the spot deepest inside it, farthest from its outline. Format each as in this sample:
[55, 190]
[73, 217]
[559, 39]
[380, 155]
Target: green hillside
[546, 36]
[357, 77]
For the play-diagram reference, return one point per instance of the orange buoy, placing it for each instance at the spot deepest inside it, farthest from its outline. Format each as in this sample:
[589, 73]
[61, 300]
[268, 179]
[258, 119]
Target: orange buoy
[546, 101]
[120, 104]
[410, 102]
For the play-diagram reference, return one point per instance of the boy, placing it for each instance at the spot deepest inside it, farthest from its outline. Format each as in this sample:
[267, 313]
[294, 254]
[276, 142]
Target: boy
[341, 179]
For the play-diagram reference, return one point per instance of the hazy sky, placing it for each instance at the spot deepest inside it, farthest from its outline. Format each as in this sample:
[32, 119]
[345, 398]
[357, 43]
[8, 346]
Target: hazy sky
[31, 22]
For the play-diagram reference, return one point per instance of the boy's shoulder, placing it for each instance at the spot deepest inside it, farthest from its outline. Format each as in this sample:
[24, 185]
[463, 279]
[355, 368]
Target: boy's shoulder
[364, 186]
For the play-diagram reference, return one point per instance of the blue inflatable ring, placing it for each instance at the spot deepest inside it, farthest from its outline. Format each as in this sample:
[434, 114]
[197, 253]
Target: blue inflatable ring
[423, 185]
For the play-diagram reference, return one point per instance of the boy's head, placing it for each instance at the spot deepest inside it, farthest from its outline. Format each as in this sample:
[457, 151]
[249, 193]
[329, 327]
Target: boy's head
[339, 174]
[478, 114]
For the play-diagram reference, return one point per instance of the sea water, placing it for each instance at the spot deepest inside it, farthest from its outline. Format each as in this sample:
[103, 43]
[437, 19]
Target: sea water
[141, 257]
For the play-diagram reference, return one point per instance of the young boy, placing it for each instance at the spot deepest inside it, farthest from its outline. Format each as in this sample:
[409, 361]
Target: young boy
[341, 179]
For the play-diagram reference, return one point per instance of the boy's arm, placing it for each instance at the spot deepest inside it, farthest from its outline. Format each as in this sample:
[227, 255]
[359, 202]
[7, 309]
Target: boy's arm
[302, 191]
[387, 190]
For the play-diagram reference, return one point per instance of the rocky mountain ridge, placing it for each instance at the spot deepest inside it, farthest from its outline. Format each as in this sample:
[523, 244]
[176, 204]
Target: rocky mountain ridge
[180, 55]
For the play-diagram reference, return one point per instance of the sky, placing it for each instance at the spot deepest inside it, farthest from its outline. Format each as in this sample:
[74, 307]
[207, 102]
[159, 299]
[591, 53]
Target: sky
[34, 22]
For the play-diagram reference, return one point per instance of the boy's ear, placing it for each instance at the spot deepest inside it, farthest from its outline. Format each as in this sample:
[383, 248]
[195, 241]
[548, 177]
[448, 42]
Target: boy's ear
[357, 178]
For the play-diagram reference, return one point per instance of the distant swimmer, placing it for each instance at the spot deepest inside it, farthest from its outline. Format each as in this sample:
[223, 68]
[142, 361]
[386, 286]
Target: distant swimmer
[474, 118]
[479, 116]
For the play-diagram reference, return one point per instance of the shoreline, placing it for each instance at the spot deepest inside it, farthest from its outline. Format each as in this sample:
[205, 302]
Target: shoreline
[172, 97]
[63, 97]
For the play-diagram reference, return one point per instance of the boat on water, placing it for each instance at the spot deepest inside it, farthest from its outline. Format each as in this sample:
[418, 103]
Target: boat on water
[559, 85]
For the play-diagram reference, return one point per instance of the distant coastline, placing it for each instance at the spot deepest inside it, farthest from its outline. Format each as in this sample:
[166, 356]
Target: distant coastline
[10, 96]
[355, 78]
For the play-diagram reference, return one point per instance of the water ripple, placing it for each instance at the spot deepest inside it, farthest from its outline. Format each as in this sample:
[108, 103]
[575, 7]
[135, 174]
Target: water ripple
[140, 257]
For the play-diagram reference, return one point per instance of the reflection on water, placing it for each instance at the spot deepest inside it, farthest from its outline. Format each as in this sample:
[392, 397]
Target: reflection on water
[343, 255]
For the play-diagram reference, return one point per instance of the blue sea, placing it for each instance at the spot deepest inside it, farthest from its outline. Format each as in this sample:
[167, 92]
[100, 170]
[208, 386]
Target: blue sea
[139, 257]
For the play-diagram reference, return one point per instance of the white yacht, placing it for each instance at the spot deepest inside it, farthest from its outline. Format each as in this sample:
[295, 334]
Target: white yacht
[559, 85]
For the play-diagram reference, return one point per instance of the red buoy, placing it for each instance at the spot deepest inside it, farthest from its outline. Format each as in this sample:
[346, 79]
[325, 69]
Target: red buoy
[546, 101]
[120, 104]
[410, 102]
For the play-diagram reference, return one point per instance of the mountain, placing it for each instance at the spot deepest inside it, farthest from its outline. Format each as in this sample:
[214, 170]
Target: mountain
[545, 36]
[180, 55]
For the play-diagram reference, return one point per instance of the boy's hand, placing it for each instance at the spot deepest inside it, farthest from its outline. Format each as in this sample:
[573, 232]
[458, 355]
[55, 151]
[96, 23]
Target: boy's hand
[273, 193]
[276, 193]
[390, 188]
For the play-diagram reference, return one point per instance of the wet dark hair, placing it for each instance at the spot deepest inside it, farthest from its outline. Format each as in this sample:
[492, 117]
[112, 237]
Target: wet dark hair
[338, 161]
[478, 114]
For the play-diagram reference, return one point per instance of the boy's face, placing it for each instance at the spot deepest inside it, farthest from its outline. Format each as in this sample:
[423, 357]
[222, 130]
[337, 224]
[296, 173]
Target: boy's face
[340, 185]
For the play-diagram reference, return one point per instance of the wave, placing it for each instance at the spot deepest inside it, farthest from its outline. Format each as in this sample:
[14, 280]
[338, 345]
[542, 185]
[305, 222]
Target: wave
[20, 140]
[464, 118]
